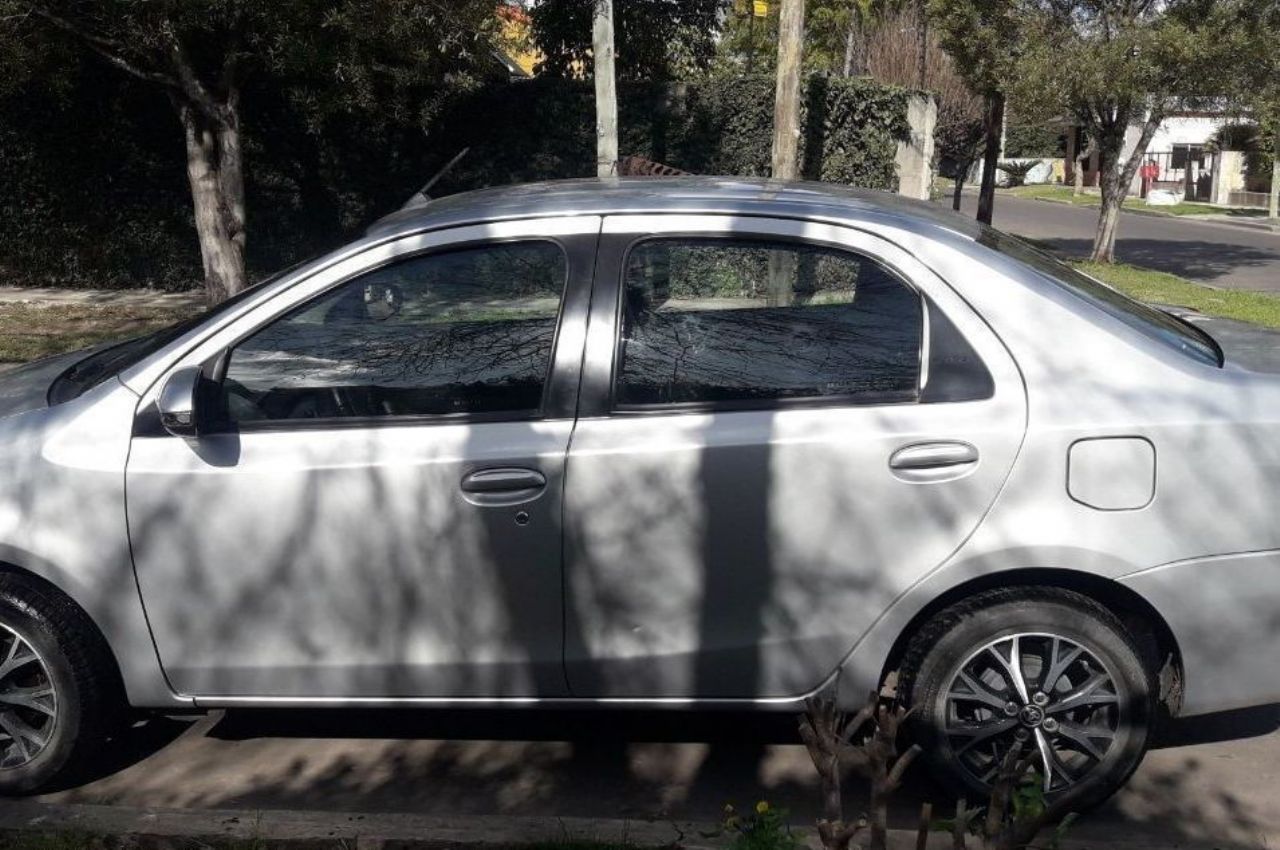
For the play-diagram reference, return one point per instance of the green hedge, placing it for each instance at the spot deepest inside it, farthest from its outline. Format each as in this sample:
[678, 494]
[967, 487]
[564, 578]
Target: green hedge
[93, 190]
[1039, 142]
[545, 128]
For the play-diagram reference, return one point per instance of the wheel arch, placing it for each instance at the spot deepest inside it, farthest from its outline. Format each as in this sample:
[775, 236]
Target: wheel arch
[1148, 627]
[112, 611]
[51, 588]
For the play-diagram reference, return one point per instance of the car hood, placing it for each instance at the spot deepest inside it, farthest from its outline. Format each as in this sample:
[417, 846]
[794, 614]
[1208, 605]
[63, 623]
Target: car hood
[27, 387]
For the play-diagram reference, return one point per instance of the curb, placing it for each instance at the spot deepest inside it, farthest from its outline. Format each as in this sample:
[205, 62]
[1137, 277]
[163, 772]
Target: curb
[369, 831]
[1202, 219]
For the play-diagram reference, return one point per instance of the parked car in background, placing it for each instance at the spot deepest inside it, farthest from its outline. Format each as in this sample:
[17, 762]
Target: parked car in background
[683, 443]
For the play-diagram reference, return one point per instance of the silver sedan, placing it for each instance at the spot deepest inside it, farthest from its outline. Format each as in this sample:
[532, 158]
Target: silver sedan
[663, 443]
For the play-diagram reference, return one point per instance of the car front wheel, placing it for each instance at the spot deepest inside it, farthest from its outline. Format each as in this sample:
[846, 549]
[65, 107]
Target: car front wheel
[58, 687]
[1050, 672]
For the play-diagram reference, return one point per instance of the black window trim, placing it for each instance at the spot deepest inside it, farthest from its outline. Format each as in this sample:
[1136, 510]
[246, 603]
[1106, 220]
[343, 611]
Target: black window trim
[215, 367]
[613, 408]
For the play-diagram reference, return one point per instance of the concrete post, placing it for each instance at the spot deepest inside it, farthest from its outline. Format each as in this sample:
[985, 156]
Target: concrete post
[1228, 176]
[914, 157]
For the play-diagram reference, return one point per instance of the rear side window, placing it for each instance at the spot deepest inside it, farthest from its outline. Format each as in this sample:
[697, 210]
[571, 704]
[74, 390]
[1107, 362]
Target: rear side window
[745, 322]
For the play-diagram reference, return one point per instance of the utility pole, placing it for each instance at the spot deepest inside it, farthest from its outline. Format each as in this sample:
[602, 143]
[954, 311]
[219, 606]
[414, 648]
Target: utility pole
[786, 105]
[606, 88]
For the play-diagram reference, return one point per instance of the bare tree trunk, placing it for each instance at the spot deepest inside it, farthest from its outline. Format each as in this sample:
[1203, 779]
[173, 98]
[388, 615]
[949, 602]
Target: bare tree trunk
[992, 124]
[786, 107]
[1115, 178]
[1273, 206]
[922, 58]
[849, 39]
[606, 89]
[231, 173]
[958, 191]
[217, 195]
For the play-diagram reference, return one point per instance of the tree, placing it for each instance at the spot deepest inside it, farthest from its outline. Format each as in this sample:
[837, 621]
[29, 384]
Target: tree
[835, 36]
[1114, 65]
[1257, 27]
[200, 55]
[890, 47]
[655, 39]
[984, 38]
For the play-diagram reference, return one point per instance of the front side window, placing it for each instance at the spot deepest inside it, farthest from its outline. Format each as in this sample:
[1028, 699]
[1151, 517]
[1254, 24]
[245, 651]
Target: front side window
[465, 331]
[745, 322]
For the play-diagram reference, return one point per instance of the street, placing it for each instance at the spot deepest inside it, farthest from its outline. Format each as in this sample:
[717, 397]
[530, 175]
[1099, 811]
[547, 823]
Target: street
[1223, 255]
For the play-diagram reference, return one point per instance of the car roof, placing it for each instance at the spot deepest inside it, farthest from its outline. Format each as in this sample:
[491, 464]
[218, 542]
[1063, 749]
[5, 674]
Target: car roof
[623, 195]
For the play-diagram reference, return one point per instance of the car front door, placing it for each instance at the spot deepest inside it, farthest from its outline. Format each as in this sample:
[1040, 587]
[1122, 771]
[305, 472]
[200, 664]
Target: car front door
[783, 426]
[374, 511]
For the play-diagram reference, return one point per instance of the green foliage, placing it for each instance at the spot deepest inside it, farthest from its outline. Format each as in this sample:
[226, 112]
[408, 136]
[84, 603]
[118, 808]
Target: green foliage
[1034, 140]
[92, 190]
[654, 39]
[544, 128]
[1017, 171]
[984, 37]
[763, 828]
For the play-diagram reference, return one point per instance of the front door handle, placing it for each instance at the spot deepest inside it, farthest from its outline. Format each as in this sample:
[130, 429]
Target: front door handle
[940, 461]
[503, 486]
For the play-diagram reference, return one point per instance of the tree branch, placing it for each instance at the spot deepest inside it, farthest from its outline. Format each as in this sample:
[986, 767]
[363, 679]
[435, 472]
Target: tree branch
[187, 81]
[107, 48]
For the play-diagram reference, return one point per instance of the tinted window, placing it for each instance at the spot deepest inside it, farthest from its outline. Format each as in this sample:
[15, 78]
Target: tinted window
[1157, 324]
[731, 321]
[112, 360]
[468, 331]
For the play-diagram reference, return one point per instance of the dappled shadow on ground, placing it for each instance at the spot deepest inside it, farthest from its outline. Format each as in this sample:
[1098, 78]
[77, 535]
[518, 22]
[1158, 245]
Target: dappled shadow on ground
[1196, 259]
[1193, 790]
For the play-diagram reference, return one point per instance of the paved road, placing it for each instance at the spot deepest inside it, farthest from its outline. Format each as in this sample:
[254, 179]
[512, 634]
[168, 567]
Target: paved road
[1223, 255]
[1214, 783]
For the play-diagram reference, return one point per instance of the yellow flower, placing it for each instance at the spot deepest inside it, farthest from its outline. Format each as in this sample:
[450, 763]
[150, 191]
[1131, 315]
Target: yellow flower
[762, 807]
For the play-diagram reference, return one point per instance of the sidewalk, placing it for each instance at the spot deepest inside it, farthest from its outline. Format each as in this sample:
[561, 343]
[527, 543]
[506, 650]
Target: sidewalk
[48, 296]
[373, 831]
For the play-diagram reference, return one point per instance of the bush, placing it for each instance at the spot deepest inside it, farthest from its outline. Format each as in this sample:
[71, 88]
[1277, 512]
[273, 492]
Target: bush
[1037, 141]
[93, 190]
[1017, 172]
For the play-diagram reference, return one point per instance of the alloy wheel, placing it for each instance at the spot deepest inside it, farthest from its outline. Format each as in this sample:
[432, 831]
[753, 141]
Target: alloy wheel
[28, 701]
[1041, 691]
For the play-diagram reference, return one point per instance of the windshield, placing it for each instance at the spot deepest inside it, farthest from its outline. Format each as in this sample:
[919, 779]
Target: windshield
[103, 363]
[1166, 328]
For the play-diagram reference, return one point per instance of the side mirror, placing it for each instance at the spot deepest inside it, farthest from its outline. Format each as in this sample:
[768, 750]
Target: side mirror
[178, 403]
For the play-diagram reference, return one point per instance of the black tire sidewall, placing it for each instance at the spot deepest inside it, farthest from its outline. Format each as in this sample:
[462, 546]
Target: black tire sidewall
[32, 626]
[1088, 626]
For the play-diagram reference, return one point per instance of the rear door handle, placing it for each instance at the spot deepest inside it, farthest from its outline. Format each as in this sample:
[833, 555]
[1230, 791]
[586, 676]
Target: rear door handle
[503, 486]
[938, 461]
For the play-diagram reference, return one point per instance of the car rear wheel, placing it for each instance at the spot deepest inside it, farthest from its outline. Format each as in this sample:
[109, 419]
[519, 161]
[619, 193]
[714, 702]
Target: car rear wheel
[58, 694]
[1049, 671]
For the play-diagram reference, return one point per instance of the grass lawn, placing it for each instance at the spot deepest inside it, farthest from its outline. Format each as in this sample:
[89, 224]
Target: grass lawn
[1161, 288]
[28, 332]
[1064, 194]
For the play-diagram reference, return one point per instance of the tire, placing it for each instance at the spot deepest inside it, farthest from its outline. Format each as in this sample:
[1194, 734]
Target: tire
[1095, 737]
[71, 694]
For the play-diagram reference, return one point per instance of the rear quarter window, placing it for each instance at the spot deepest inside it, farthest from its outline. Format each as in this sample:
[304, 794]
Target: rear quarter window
[1165, 328]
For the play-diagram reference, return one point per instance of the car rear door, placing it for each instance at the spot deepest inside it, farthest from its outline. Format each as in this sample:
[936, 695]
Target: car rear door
[783, 425]
[376, 512]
